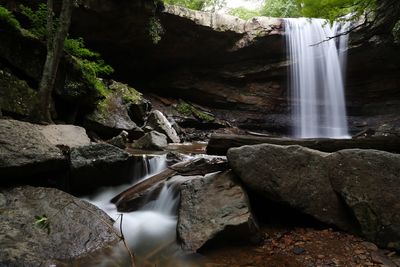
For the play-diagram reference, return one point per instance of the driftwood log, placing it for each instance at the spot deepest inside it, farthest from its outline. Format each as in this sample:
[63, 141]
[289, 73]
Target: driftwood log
[136, 196]
[220, 143]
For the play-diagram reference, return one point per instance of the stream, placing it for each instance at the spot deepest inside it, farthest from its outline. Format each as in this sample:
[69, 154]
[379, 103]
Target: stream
[150, 232]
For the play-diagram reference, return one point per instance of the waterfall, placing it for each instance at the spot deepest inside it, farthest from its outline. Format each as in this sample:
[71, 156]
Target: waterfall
[150, 230]
[317, 78]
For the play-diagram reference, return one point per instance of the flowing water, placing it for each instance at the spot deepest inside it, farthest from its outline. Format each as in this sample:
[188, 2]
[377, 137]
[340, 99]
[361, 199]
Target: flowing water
[317, 77]
[151, 231]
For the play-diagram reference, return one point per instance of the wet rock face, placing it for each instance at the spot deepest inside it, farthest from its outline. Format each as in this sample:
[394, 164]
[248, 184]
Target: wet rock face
[247, 57]
[292, 175]
[160, 123]
[74, 228]
[369, 183]
[327, 185]
[25, 151]
[235, 65]
[210, 206]
[99, 165]
[152, 141]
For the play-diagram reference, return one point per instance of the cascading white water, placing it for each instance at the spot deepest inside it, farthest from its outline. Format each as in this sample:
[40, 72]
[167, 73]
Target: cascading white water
[150, 231]
[316, 78]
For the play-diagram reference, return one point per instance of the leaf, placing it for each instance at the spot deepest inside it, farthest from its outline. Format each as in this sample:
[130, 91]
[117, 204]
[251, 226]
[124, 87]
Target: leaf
[42, 222]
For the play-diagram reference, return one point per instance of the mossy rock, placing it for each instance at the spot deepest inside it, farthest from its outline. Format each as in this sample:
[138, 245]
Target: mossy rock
[75, 88]
[16, 97]
[187, 110]
[128, 94]
[111, 116]
[138, 106]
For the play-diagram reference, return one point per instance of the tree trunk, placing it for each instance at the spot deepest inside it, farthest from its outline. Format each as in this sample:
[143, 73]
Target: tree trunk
[55, 48]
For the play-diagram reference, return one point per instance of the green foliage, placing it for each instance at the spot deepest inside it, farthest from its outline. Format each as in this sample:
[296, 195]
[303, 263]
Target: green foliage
[7, 17]
[88, 59]
[89, 63]
[38, 20]
[209, 5]
[192, 4]
[155, 30]
[76, 47]
[335, 9]
[244, 13]
[281, 8]
[88, 70]
[42, 222]
[271, 8]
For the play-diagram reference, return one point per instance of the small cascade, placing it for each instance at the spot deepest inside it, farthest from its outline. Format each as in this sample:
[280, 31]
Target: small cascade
[150, 231]
[317, 78]
[146, 166]
[167, 200]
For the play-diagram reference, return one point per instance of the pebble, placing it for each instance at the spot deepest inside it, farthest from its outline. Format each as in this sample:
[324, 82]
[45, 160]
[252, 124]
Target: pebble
[298, 250]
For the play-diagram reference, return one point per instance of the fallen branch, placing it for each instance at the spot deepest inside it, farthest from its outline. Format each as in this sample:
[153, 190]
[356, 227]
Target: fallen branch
[132, 258]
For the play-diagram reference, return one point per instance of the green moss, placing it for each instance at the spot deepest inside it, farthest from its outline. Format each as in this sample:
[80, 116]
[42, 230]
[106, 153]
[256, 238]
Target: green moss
[128, 94]
[184, 108]
[89, 58]
[7, 17]
[104, 107]
[202, 115]
[76, 47]
[187, 110]
[90, 76]
[38, 20]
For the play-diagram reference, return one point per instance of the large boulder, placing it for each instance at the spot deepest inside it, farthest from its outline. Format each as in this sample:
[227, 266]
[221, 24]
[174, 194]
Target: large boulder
[160, 123]
[111, 116]
[70, 228]
[369, 183]
[211, 206]
[99, 165]
[25, 151]
[65, 135]
[152, 140]
[292, 175]
[354, 189]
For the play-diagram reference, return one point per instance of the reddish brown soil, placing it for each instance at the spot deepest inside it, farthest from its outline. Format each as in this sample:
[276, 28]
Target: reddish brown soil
[303, 247]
